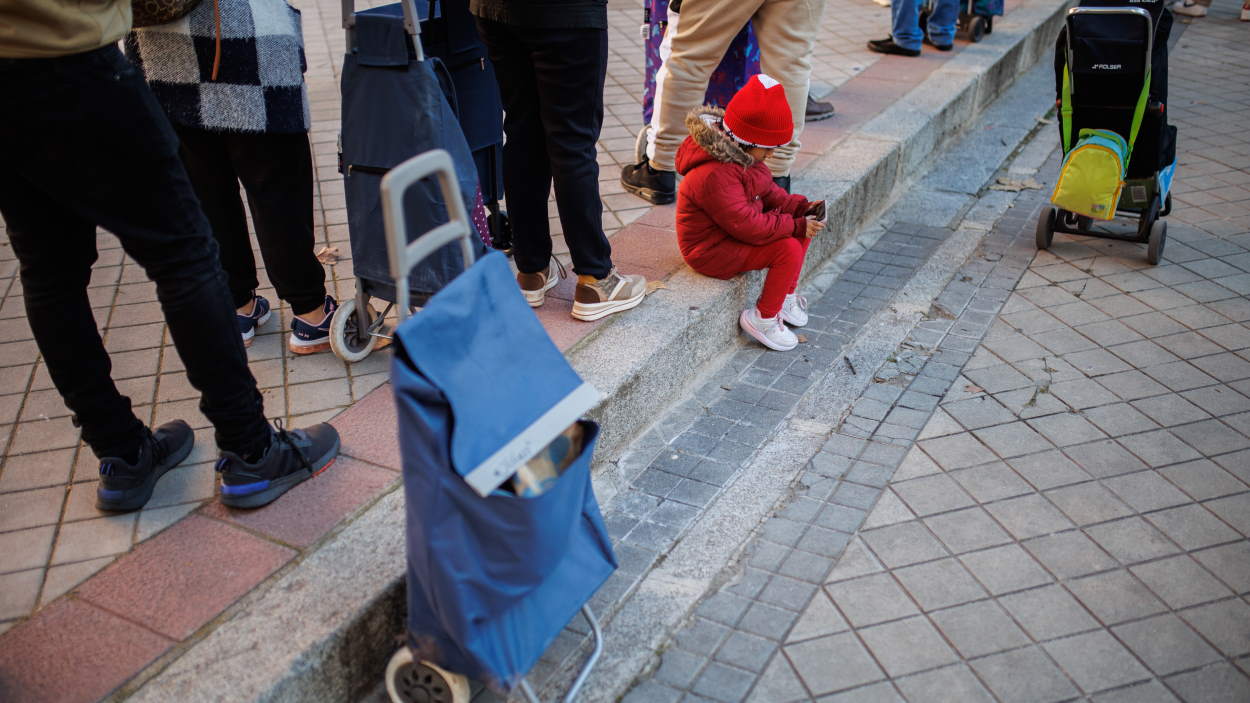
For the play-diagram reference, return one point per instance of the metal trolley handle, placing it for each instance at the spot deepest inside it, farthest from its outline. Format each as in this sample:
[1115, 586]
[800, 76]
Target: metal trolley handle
[411, 24]
[404, 255]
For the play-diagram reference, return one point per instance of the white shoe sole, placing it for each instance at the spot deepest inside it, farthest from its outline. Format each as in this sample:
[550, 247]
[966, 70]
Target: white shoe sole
[759, 336]
[588, 312]
[247, 337]
[793, 322]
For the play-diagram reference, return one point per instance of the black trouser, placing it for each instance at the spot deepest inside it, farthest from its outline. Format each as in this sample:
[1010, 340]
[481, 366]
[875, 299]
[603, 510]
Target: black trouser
[551, 82]
[276, 171]
[84, 143]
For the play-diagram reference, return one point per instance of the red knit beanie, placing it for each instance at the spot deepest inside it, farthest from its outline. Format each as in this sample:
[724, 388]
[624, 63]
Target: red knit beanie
[758, 115]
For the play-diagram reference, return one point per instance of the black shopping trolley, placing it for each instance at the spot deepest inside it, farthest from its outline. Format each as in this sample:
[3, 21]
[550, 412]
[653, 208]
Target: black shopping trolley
[1110, 51]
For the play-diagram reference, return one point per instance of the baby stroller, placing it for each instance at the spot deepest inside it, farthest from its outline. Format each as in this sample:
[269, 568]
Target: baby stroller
[976, 17]
[1111, 73]
[741, 61]
[394, 106]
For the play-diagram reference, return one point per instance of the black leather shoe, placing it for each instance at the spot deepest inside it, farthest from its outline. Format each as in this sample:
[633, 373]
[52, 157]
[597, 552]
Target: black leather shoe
[887, 46]
[783, 181]
[659, 187]
[817, 110]
[939, 47]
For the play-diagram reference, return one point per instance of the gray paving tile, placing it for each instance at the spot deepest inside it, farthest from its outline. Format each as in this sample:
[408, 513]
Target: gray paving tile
[869, 600]
[957, 451]
[778, 683]
[787, 593]
[1212, 437]
[1192, 526]
[1070, 554]
[928, 495]
[1105, 458]
[1166, 644]
[990, 482]
[1051, 468]
[746, 651]
[1088, 503]
[833, 663]
[1150, 692]
[967, 530]
[1179, 376]
[723, 683]
[679, 667]
[903, 544]
[1216, 684]
[1024, 675]
[1028, 516]
[939, 584]
[1048, 612]
[1063, 429]
[979, 628]
[952, 684]
[1011, 440]
[882, 692]
[1096, 661]
[1005, 569]
[1082, 394]
[1235, 510]
[1131, 540]
[1231, 563]
[1226, 624]
[1180, 582]
[818, 619]
[1203, 479]
[978, 412]
[1159, 448]
[1116, 596]
[1218, 400]
[702, 637]
[772, 622]
[906, 646]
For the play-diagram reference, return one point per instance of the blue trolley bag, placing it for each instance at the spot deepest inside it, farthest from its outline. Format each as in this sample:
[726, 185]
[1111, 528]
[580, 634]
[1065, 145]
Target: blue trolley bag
[393, 109]
[492, 577]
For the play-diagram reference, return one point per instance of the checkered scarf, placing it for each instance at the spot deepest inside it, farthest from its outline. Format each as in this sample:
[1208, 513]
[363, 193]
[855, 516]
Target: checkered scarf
[260, 83]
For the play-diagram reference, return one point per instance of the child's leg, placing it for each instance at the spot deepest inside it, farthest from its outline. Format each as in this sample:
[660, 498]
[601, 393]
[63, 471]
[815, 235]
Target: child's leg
[794, 286]
[784, 261]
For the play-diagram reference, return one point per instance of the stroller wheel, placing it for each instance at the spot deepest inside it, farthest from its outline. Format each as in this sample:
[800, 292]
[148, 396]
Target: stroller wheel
[640, 144]
[348, 339]
[422, 682]
[1158, 240]
[1045, 228]
[976, 30]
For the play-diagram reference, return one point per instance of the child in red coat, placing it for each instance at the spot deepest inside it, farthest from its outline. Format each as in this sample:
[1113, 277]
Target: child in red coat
[732, 217]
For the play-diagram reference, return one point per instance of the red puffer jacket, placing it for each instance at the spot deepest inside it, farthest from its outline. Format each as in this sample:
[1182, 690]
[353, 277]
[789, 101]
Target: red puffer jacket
[726, 194]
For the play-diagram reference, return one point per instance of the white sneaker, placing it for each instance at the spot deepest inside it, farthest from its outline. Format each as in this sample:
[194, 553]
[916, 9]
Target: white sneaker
[536, 285]
[1190, 9]
[1245, 13]
[794, 310]
[770, 331]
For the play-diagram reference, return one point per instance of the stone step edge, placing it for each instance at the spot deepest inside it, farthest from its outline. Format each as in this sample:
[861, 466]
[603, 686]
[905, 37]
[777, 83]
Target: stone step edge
[338, 609]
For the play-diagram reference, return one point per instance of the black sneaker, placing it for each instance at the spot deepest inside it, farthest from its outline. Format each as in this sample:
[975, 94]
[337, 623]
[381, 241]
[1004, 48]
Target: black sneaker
[125, 486]
[887, 46]
[292, 457]
[659, 187]
[939, 47]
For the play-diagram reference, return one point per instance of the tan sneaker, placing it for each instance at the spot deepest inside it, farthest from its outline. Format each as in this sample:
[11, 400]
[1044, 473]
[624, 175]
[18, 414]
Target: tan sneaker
[536, 285]
[610, 294]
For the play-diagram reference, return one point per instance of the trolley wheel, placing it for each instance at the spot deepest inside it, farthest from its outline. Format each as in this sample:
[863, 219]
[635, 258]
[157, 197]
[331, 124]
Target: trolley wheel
[348, 341]
[976, 29]
[422, 682]
[640, 144]
[1045, 228]
[1167, 206]
[1158, 240]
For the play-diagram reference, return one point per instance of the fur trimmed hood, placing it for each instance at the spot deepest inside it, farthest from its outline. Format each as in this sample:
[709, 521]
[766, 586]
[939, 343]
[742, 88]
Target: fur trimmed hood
[707, 132]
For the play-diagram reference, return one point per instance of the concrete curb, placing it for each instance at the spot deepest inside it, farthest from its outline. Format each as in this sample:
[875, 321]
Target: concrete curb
[323, 628]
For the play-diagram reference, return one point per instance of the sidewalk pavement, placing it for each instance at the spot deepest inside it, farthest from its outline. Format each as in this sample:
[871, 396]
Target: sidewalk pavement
[1045, 493]
[51, 536]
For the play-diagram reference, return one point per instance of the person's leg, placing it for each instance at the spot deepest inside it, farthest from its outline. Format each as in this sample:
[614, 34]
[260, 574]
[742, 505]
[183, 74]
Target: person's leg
[207, 162]
[661, 75]
[56, 249]
[905, 26]
[784, 261]
[276, 172]
[787, 32]
[705, 32]
[526, 170]
[941, 25]
[570, 67]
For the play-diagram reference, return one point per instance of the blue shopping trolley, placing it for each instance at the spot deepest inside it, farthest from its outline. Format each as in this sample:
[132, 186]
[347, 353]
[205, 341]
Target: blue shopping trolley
[493, 576]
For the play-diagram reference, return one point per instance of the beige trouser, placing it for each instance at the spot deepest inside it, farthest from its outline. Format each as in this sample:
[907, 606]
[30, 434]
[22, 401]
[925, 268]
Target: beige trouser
[785, 29]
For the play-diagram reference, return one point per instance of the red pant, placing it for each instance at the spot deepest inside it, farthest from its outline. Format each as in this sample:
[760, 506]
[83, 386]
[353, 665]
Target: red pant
[783, 259]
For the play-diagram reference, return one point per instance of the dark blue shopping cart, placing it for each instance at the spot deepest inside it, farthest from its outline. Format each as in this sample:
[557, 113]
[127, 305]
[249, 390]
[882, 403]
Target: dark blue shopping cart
[493, 577]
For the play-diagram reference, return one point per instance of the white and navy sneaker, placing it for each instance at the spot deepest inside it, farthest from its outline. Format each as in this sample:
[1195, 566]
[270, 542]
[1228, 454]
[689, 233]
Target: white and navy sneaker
[794, 310]
[769, 331]
[310, 339]
[248, 324]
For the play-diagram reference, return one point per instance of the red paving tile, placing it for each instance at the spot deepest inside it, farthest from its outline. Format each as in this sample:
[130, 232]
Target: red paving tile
[186, 575]
[643, 246]
[562, 328]
[910, 70]
[73, 651]
[658, 216]
[369, 429]
[314, 507]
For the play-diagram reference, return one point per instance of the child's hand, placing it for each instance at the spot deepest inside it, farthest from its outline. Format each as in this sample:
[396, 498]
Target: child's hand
[816, 209]
[814, 227]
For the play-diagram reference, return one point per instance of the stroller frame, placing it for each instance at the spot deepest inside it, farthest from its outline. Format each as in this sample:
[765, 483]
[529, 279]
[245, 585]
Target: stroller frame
[1151, 230]
[971, 23]
[403, 669]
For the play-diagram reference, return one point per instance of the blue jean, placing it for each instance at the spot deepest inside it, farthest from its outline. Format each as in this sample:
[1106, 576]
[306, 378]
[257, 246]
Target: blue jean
[906, 30]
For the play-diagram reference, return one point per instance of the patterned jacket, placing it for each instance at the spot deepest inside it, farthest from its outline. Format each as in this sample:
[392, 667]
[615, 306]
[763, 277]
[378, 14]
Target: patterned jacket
[260, 82]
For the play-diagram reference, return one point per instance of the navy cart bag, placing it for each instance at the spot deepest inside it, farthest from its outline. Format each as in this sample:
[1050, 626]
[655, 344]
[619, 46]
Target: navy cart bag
[493, 577]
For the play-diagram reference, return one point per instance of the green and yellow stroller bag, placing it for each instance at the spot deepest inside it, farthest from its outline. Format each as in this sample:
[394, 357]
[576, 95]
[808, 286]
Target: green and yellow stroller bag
[1092, 174]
